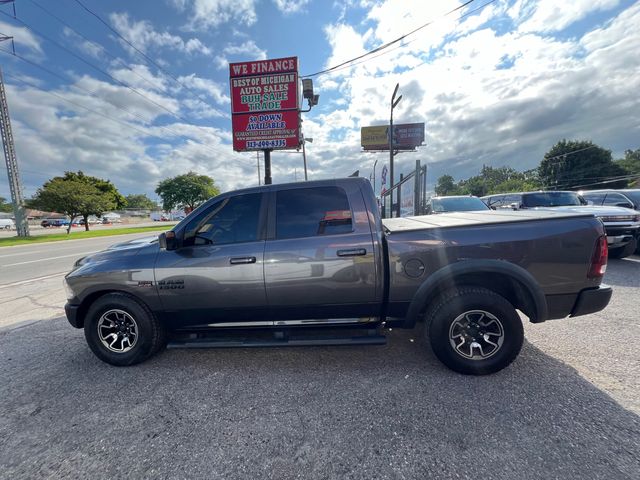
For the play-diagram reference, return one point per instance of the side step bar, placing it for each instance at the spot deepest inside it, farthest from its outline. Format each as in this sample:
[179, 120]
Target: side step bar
[276, 338]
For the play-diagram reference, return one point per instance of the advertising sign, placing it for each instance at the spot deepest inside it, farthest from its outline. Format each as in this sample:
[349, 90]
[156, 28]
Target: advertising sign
[264, 104]
[407, 136]
[273, 130]
[374, 137]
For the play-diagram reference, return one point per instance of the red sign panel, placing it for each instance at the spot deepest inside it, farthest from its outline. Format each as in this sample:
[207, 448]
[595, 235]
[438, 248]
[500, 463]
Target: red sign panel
[264, 93]
[264, 104]
[263, 67]
[260, 131]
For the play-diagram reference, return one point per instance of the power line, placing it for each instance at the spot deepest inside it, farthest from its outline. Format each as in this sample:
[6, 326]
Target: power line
[100, 46]
[140, 52]
[386, 45]
[90, 64]
[466, 14]
[108, 117]
[97, 96]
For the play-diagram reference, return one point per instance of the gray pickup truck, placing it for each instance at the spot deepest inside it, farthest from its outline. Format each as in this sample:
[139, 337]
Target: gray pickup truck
[313, 263]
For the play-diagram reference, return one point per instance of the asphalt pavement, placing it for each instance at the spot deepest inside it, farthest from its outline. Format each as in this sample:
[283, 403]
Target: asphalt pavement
[31, 276]
[567, 408]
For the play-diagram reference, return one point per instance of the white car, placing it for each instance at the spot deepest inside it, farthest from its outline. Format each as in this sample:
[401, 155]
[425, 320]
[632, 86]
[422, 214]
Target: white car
[7, 224]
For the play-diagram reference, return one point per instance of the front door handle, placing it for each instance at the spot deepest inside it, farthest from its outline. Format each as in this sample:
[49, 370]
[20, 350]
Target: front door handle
[242, 260]
[352, 252]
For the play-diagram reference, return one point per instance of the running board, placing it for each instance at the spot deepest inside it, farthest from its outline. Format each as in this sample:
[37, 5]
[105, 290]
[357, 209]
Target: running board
[277, 339]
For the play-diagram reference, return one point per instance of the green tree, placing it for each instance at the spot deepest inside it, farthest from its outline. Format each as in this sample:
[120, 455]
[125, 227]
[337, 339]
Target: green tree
[631, 162]
[140, 201]
[571, 165]
[4, 206]
[78, 195]
[446, 186]
[62, 196]
[186, 191]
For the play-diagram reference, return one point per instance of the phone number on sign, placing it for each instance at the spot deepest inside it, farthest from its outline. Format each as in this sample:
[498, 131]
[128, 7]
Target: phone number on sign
[266, 143]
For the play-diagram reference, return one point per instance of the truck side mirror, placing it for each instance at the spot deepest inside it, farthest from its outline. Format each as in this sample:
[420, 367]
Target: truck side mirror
[624, 204]
[167, 240]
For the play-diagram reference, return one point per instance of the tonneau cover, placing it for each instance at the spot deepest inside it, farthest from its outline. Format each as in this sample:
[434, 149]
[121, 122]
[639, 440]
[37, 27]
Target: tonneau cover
[460, 219]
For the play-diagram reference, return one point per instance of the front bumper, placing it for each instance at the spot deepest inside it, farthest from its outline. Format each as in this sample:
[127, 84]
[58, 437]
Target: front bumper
[71, 311]
[592, 300]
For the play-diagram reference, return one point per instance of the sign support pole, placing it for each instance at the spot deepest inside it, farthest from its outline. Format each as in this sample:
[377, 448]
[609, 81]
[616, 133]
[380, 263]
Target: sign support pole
[267, 166]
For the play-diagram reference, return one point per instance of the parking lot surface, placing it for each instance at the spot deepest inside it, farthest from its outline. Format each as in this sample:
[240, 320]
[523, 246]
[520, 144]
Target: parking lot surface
[567, 408]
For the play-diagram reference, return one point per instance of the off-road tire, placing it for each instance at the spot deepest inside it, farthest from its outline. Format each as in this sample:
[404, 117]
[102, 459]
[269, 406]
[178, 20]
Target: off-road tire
[150, 335]
[451, 307]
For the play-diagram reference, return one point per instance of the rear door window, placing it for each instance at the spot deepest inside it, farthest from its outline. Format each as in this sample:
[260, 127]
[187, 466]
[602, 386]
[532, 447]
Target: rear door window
[308, 212]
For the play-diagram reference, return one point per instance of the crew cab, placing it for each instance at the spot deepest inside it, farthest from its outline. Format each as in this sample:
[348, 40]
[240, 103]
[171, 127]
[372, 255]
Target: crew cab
[313, 263]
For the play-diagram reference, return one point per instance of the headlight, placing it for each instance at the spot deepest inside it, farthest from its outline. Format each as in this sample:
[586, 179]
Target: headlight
[620, 218]
[68, 289]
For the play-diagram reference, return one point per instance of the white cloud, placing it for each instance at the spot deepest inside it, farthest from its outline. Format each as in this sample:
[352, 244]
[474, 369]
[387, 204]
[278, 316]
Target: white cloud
[551, 15]
[145, 37]
[247, 50]
[91, 49]
[210, 87]
[135, 156]
[21, 36]
[205, 14]
[485, 97]
[140, 77]
[290, 6]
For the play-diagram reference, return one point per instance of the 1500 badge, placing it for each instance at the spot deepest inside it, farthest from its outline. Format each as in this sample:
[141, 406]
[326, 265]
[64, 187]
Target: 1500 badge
[171, 284]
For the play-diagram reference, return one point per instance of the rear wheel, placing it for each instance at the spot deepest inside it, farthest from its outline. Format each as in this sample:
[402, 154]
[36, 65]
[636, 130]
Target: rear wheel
[122, 331]
[622, 252]
[474, 331]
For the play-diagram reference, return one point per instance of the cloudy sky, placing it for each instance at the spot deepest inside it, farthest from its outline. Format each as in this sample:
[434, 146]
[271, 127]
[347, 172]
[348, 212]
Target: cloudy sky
[497, 83]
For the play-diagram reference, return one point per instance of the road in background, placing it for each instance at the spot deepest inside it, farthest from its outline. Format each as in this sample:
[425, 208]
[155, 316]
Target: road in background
[36, 230]
[31, 276]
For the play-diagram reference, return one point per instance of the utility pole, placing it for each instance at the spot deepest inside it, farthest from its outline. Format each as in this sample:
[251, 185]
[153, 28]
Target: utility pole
[258, 162]
[13, 173]
[267, 166]
[394, 102]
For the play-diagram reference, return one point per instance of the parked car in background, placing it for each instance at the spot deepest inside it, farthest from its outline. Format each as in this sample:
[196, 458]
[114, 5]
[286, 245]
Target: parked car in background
[54, 222]
[622, 224]
[7, 224]
[455, 203]
[522, 200]
[629, 198]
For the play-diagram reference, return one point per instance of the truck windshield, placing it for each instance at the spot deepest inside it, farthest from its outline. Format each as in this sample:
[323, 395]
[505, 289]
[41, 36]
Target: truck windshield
[551, 199]
[458, 204]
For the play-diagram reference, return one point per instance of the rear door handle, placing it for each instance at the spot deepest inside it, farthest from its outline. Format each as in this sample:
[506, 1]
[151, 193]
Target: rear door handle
[241, 260]
[352, 252]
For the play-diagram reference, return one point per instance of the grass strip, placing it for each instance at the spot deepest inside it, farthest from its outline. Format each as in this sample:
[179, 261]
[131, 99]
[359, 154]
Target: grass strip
[78, 235]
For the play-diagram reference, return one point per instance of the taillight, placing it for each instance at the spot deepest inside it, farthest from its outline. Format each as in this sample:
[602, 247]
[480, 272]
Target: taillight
[599, 259]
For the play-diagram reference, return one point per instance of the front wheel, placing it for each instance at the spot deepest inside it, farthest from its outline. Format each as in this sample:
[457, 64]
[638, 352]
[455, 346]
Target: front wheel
[474, 331]
[121, 331]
